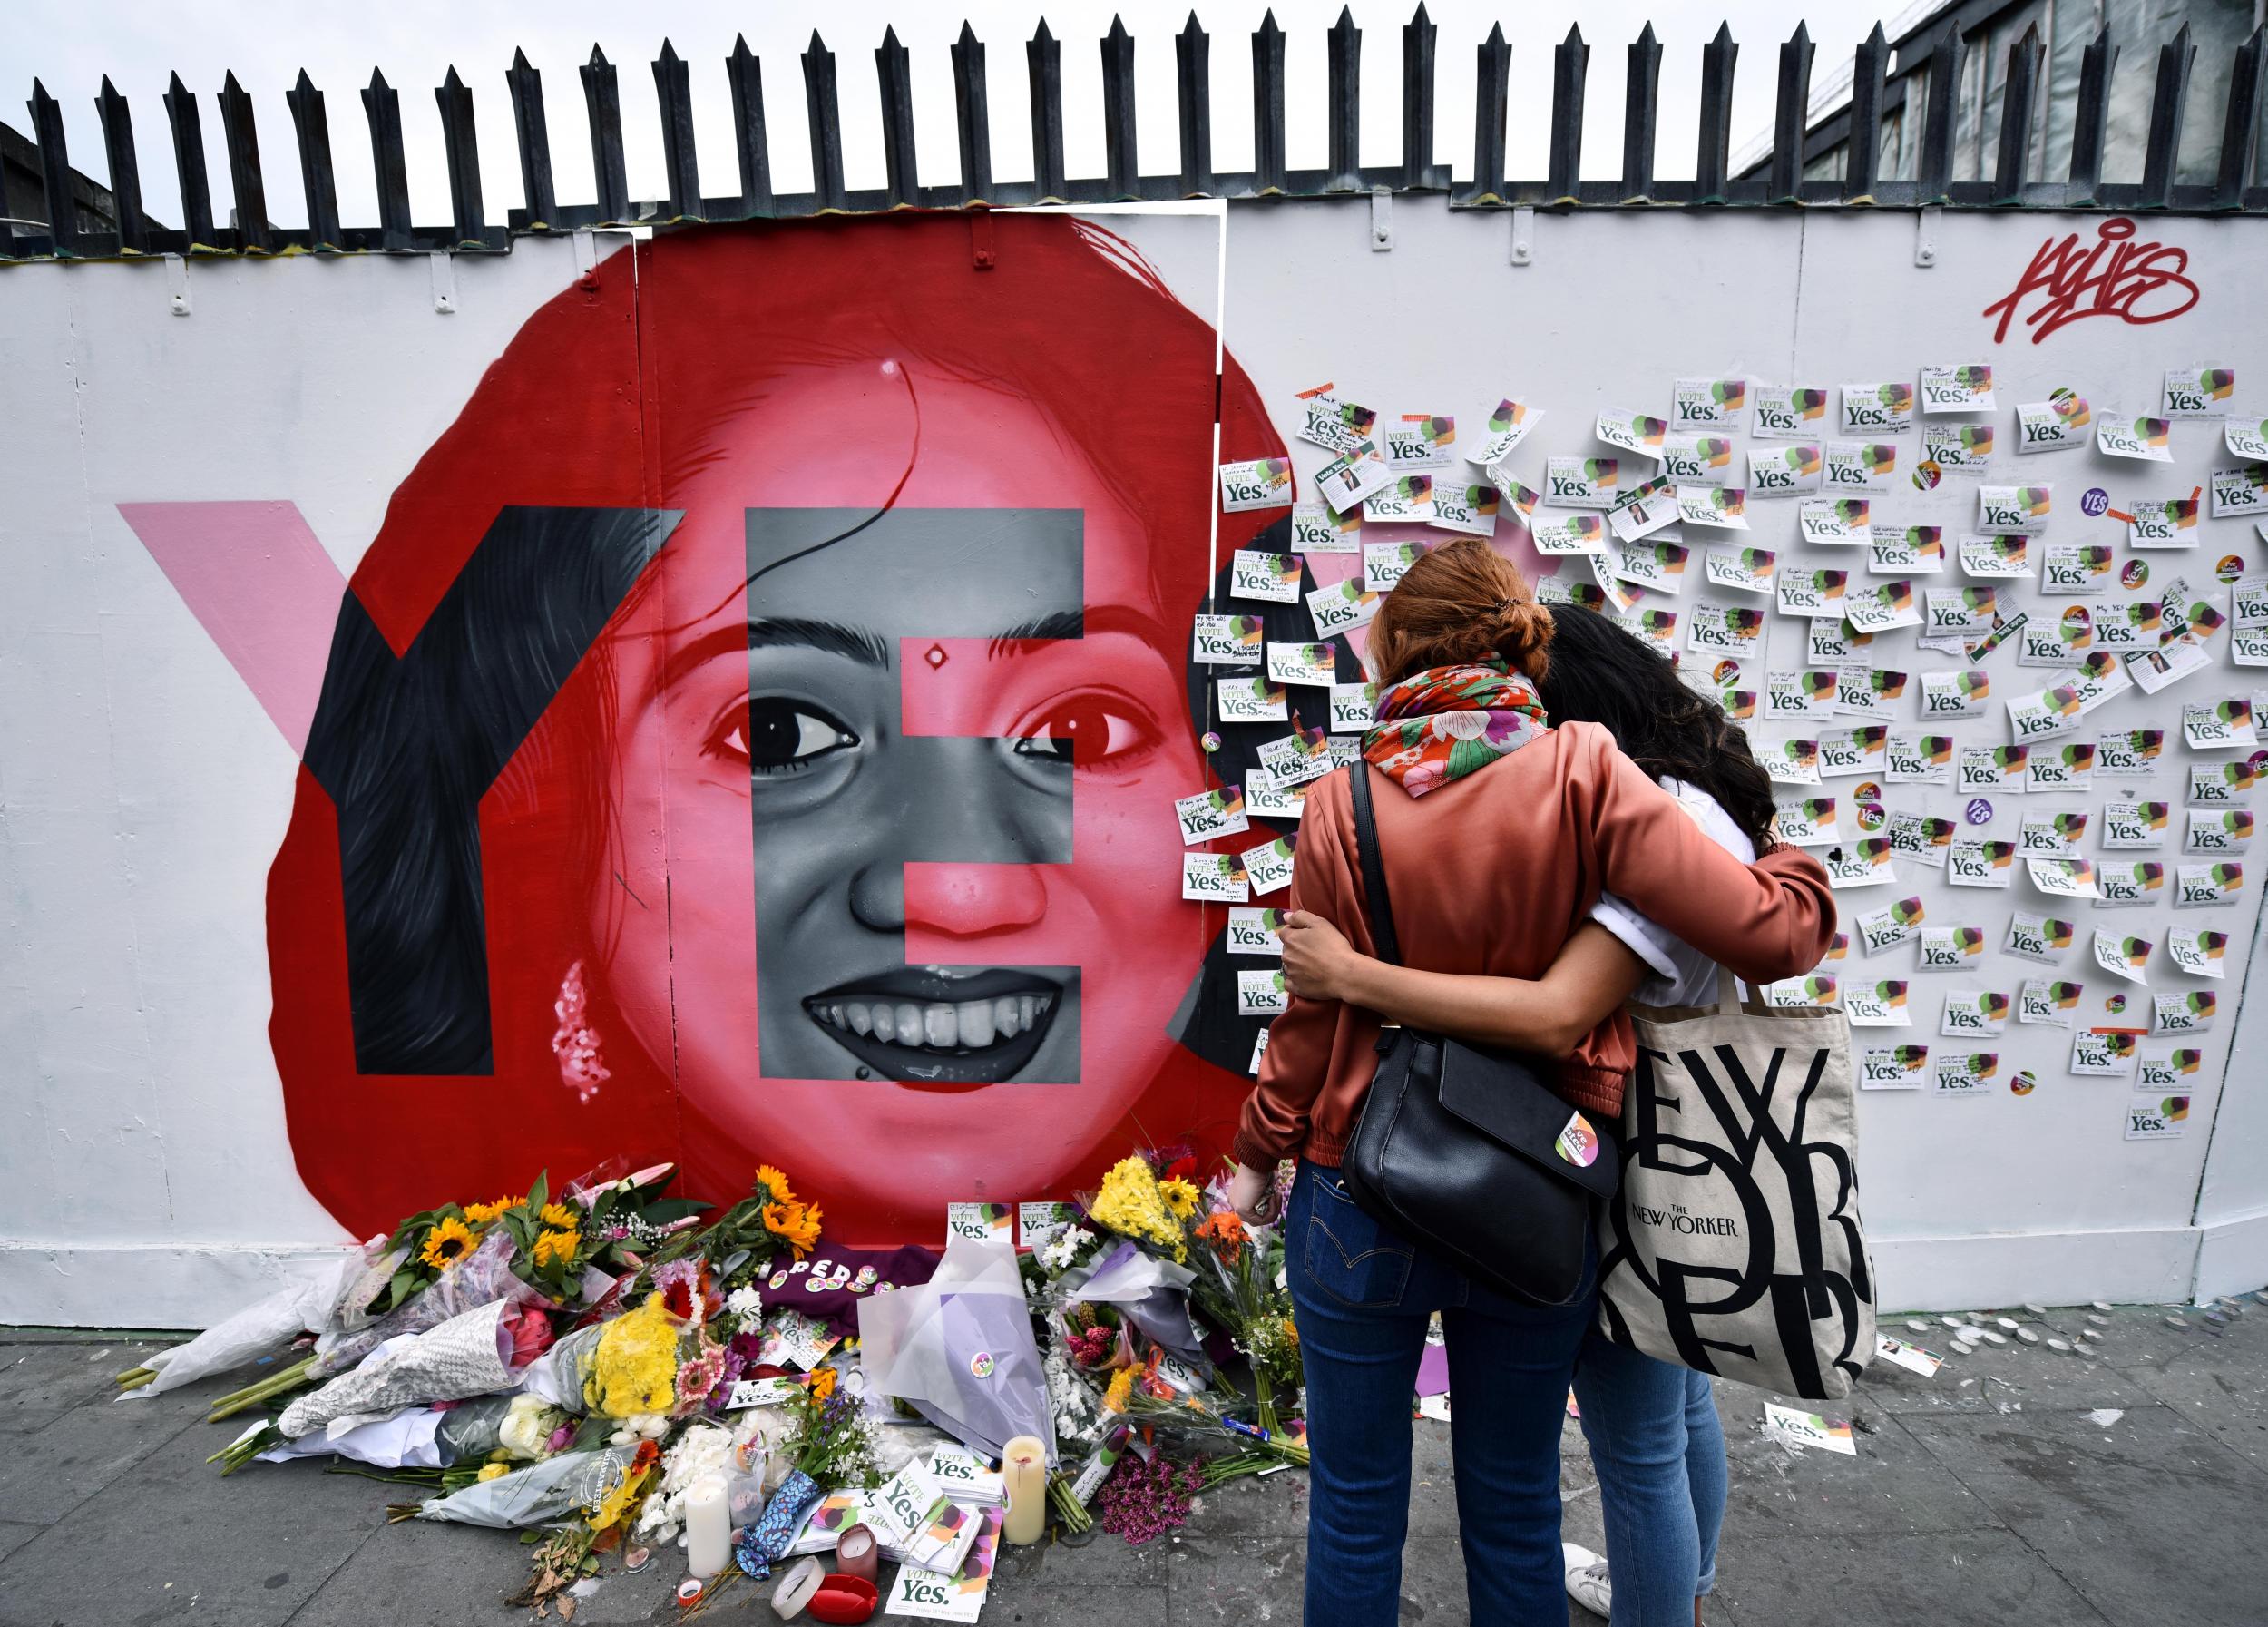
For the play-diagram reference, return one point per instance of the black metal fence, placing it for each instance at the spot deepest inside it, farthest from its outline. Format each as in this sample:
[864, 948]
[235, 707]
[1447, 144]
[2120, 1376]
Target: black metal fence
[1779, 184]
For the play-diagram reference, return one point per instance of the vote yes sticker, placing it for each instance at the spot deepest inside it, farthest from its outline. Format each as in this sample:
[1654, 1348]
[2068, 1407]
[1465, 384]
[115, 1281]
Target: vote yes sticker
[1578, 1143]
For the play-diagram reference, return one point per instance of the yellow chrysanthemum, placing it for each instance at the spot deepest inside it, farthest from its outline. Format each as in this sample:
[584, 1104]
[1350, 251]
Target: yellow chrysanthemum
[447, 1242]
[484, 1214]
[635, 1368]
[1181, 1197]
[1121, 1391]
[555, 1246]
[561, 1217]
[775, 1184]
[1131, 1204]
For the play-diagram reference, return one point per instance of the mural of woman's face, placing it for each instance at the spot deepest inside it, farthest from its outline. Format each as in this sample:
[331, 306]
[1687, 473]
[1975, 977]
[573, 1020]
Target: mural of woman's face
[945, 721]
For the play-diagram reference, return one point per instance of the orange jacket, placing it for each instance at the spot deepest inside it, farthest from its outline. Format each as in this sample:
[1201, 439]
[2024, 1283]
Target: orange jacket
[1492, 873]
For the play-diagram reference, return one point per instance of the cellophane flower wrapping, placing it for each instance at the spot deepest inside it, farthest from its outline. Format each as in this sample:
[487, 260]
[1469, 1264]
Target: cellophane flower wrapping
[538, 1495]
[407, 1439]
[307, 1304]
[481, 1278]
[562, 1373]
[960, 1349]
[756, 1547]
[468, 1355]
[1152, 1294]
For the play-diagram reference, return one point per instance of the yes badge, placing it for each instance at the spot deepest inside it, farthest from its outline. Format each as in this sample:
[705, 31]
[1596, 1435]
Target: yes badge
[2198, 951]
[1251, 701]
[2052, 425]
[1228, 640]
[1341, 606]
[2048, 1001]
[1966, 1075]
[1877, 1004]
[1254, 932]
[1266, 994]
[1974, 1011]
[1216, 878]
[1695, 402]
[1317, 530]
[2102, 1053]
[2157, 1121]
[1422, 441]
[1631, 431]
[1784, 471]
[1267, 867]
[2122, 955]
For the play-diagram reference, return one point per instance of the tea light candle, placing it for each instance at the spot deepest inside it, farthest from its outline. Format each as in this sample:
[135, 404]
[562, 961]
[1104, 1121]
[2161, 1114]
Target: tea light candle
[1024, 1463]
[708, 1528]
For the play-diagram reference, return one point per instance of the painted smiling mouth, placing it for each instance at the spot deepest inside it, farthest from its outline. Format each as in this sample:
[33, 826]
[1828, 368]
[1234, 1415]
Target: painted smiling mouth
[941, 1027]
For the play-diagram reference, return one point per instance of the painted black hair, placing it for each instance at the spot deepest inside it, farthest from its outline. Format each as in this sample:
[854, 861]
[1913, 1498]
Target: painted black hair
[1601, 675]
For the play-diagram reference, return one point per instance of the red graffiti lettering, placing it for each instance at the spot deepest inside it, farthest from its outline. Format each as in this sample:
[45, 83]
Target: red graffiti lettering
[2113, 277]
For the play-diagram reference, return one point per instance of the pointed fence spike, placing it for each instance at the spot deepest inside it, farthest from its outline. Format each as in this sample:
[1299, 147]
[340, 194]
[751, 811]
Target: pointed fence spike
[2169, 100]
[1862, 154]
[240, 136]
[1193, 73]
[532, 133]
[2090, 118]
[55, 171]
[460, 144]
[1714, 155]
[1791, 116]
[1343, 48]
[2240, 130]
[312, 125]
[1122, 161]
[1570, 65]
[824, 111]
[1491, 98]
[1939, 116]
[894, 76]
[973, 116]
[744, 73]
[382, 106]
[1640, 98]
[1044, 59]
[1267, 106]
[2019, 103]
[125, 169]
[602, 96]
[1419, 38]
[188, 165]
[680, 167]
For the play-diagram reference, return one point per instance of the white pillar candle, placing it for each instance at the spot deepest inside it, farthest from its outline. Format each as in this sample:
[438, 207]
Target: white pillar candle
[708, 1527]
[1024, 1463]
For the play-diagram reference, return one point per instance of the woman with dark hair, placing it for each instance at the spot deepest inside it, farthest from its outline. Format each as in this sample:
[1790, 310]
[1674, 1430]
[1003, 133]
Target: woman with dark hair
[1509, 826]
[1653, 1428]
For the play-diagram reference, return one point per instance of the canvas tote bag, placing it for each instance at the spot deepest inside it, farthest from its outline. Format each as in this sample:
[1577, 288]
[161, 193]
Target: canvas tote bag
[1734, 1246]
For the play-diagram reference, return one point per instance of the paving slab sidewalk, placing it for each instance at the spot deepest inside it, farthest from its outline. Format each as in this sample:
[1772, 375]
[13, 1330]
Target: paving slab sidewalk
[2123, 1482]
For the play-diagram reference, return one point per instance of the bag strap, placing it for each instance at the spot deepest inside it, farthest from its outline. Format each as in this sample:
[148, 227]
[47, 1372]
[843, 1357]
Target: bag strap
[1379, 907]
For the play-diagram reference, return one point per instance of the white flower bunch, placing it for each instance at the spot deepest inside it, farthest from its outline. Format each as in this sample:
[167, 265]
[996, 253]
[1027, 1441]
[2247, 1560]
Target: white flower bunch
[1070, 1397]
[1056, 1256]
[639, 1426]
[745, 1302]
[704, 1450]
[529, 1424]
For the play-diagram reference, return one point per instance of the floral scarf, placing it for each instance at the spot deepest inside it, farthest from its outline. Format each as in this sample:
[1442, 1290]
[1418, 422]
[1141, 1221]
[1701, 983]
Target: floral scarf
[1446, 722]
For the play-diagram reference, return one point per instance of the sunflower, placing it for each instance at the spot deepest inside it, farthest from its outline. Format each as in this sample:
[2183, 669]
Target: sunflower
[561, 1217]
[822, 1383]
[1181, 1197]
[794, 1224]
[449, 1241]
[485, 1214]
[556, 1247]
[775, 1185]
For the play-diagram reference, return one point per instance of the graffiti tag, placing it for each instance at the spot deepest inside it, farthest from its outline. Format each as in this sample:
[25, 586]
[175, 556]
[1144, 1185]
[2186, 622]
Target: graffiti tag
[2114, 276]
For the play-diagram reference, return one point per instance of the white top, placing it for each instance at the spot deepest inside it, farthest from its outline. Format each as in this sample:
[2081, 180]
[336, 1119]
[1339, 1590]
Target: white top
[1683, 974]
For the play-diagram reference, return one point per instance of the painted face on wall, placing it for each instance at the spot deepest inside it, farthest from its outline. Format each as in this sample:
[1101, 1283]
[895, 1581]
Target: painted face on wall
[837, 833]
[948, 729]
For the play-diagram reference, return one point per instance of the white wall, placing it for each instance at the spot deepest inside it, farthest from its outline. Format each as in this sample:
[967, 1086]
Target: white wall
[145, 1177]
[1990, 1200]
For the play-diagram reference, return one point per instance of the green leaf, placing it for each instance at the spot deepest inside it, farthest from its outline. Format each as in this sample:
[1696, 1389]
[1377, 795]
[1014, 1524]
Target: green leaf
[541, 1192]
[405, 1284]
[667, 1209]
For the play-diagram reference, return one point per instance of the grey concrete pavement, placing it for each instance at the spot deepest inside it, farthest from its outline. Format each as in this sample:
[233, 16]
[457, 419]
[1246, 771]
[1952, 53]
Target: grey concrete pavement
[2122, 1483]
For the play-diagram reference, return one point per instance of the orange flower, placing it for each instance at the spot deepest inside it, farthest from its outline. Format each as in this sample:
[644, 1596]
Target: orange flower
[822, 1383]
[794, 1224]
[1225, 1230]
[775, 1185]
[483, 1214]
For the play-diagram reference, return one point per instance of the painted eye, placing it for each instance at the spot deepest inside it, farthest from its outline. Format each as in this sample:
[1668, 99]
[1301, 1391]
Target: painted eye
[779, 736]
[1092, 729]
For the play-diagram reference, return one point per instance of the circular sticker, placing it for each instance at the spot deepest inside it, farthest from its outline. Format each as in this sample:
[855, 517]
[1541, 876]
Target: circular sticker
[1211, 740]
[2064, 399]
[2022, 1085]
[2133, 573]
[1926, 474]
[2230, 567]
[2115, 1005]
[1866, 790]
[1726, 671]
[980, 1364]
[2093, 502]
[1977, 812]
[1872, 816]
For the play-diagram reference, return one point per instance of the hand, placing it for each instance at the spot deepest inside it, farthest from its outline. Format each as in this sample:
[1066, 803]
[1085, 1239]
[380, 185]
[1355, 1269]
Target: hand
[1252, 1194]
[1317, 958]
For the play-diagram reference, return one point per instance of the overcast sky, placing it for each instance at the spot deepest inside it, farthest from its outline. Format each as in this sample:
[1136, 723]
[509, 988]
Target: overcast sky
[70, 45]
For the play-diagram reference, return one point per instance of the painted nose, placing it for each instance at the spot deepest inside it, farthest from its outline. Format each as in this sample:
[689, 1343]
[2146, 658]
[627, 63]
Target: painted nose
[978, 825]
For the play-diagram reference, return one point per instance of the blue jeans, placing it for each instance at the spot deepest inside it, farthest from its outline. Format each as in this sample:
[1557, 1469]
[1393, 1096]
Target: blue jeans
[1660, 1452]
[1361, 1297]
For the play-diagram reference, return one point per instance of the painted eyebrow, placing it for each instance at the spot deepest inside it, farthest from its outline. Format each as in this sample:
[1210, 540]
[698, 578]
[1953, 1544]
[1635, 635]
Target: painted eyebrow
[868, 649]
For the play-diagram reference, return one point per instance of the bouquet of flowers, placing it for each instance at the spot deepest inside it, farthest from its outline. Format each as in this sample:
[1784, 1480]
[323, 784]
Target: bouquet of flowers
[829, 1447]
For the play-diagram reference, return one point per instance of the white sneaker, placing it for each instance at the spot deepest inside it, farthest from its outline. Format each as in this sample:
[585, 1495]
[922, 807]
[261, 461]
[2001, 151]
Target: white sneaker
[1587, 1582]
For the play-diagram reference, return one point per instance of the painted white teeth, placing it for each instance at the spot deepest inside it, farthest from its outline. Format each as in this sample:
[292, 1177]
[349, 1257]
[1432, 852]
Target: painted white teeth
[963, 1025]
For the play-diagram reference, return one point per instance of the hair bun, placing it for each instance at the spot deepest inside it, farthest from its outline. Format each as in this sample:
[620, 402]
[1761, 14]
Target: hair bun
[1520, 631]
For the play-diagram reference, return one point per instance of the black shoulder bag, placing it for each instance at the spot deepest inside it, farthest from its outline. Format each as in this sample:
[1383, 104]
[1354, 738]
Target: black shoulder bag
[1461, 1148]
